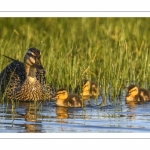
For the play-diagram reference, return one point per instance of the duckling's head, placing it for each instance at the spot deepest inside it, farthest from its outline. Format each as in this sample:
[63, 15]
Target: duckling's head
[61, 94]
[133, 91]
[32, 56]
[86, 85]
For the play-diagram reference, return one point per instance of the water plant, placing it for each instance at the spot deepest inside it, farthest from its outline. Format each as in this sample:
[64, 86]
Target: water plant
[112, 51]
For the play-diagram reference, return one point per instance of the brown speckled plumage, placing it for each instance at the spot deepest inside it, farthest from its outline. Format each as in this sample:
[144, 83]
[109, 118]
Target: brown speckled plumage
[14, 77]
[29, 91]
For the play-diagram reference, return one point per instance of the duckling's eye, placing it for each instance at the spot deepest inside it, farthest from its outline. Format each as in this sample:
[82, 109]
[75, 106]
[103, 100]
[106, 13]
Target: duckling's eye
[62, 93]
[132, 91]
[85, 86]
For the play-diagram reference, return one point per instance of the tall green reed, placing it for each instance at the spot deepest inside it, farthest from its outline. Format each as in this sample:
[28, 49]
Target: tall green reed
[112, 51]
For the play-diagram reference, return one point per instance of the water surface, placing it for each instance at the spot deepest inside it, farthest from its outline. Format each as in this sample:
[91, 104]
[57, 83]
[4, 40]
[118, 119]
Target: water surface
[45, 117]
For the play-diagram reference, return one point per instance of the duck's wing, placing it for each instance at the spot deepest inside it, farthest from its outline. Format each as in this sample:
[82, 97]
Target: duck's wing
[11, 77]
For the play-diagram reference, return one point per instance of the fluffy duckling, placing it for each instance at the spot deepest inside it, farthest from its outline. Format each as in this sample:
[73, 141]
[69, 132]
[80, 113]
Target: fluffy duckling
[90, 89]
[137, 94]
[66, 100]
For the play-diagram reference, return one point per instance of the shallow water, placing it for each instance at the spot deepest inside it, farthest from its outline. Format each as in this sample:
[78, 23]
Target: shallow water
[47, 118]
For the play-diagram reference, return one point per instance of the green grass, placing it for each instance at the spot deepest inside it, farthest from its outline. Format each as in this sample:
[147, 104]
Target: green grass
[112, 51]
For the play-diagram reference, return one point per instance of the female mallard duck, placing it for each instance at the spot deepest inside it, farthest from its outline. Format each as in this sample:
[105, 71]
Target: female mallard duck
[90, 89]
[137, 94]
[16, 73]
[31, 89]
[66, 100]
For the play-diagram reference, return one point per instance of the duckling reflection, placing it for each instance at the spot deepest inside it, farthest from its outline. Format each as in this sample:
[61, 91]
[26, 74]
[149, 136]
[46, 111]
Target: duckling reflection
[90, 89]
[132, 104]
[136, 94]
[62, 112]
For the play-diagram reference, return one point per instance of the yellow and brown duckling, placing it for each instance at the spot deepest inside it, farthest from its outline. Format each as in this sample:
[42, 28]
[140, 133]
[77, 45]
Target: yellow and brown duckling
[63, 98]
[136, 94]
[90, 89]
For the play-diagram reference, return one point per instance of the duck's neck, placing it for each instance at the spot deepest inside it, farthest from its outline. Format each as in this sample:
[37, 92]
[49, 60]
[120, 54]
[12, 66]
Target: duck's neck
[27, 68]
[31, 73]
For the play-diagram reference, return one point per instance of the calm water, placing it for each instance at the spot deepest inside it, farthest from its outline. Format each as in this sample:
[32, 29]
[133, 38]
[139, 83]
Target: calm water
[47, 118]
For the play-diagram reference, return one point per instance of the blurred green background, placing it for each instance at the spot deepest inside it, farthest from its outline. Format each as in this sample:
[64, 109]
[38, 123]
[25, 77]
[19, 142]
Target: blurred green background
[112, 51]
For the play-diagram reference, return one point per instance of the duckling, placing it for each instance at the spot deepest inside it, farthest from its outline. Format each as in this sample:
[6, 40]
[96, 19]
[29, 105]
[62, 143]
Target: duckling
[90, 89]
[15, 73]
[66, 100]
[137, 94]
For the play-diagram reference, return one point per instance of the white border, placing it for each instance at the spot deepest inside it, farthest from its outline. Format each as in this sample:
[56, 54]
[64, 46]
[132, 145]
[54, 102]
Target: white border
[74, 14]
[75, 5]
[75, 136]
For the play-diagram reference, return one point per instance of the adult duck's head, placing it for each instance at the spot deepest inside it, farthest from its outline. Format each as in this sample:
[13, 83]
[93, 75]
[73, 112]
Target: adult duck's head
[32, 57]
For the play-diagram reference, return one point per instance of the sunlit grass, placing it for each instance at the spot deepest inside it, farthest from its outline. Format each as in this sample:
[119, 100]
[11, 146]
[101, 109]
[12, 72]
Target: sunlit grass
[112, 51]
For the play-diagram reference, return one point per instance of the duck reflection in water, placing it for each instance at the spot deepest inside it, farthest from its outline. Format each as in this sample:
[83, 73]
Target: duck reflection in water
[31, 115]
[132, 105]
[62, 112]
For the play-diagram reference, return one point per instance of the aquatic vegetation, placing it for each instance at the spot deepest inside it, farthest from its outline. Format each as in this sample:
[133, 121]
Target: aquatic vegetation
[112, 51]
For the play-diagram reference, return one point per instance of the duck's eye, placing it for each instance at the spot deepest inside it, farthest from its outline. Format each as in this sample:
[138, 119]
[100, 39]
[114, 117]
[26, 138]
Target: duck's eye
[38, 57]
[85, 86]
[63, 93]
[31, 55]
[132, 91]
